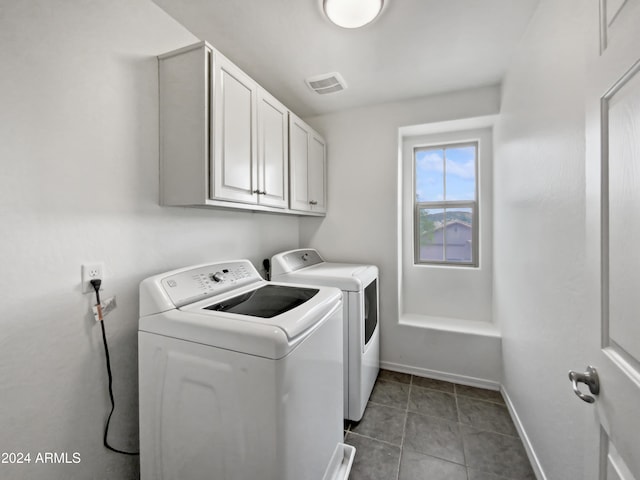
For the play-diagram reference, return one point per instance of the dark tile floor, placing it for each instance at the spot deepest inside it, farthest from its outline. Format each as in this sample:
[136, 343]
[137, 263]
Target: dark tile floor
[417, 428]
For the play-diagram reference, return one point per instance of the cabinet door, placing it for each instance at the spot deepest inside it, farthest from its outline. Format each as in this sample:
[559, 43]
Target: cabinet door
[298, 157]
[273, 154]
[234, 160]
[316, 173]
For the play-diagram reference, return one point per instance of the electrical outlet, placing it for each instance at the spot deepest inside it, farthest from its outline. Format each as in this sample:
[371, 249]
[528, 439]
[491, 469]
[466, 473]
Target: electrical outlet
[91, 271]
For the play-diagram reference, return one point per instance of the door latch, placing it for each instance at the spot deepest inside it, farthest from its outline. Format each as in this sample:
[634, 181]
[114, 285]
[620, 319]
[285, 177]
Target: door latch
[589, 378]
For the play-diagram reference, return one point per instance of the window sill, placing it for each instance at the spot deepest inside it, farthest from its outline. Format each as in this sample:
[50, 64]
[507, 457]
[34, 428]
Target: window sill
[445, 324]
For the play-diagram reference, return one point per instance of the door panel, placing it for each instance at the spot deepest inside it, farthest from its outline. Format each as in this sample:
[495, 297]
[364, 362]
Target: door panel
[317, 167]
[613, 238]
[616, 468]
[273, 152]
[622, 121]
[235, 168]
[298, 157]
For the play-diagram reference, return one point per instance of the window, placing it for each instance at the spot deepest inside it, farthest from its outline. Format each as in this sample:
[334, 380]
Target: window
[446, 204]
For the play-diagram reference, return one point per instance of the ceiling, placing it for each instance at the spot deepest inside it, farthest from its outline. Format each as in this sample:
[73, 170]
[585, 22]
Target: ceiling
[413, 49]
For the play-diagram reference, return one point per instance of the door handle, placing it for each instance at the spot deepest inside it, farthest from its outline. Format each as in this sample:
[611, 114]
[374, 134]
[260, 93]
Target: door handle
[589, 378]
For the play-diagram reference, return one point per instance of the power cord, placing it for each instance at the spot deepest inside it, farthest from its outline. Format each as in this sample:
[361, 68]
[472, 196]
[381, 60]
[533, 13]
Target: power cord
[96, 283]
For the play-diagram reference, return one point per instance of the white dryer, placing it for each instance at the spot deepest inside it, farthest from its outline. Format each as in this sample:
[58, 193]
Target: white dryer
[361, 338]
[240, 378]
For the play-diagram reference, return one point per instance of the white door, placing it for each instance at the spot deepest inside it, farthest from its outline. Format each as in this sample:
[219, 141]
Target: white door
[613, 240]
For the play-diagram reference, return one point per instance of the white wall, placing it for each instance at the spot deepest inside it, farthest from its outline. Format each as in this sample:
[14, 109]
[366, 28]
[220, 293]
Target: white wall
[79, 183]
[539, 232]
[362, 222]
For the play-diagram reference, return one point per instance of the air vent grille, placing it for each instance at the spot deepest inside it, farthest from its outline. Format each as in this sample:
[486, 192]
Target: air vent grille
[326, 83]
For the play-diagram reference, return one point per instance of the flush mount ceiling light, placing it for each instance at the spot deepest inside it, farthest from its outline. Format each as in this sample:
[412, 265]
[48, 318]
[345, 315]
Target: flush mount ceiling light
[352, 13]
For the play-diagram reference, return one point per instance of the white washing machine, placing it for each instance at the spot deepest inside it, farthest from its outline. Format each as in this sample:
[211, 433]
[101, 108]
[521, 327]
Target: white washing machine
[240, 378]
[359, 285]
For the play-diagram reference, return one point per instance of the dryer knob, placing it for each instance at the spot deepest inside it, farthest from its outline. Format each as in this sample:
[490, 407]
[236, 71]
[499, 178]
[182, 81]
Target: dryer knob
[217, 277]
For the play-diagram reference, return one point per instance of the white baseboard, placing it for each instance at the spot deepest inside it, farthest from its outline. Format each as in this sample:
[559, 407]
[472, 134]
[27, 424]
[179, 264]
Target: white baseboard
[448, 377]
[533, 458]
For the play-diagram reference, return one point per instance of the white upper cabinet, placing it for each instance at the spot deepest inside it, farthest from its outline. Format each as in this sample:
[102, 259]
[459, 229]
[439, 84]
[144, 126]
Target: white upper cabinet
[308, 168]
[224, 140]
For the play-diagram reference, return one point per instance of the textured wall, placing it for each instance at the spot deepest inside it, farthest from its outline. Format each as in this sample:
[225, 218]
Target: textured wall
[539, 232]
[79, 183]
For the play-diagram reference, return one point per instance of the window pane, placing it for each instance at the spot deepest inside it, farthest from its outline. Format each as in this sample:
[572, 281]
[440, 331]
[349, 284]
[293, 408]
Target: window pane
[458, 234]
[430, 240]
[429, 175]
[461, 173]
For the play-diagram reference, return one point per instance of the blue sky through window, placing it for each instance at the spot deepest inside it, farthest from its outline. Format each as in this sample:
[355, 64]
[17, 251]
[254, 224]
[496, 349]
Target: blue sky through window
[460, 174]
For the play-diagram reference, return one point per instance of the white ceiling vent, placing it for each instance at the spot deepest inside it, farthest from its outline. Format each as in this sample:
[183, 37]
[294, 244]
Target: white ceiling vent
[326, 83]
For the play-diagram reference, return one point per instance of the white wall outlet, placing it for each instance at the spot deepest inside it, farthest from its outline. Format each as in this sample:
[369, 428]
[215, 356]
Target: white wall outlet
[91, 271]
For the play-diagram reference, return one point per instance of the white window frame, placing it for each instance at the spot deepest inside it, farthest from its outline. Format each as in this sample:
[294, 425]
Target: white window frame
[444, 205]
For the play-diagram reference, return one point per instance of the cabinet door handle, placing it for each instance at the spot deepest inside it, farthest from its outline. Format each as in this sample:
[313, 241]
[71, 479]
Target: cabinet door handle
[312, 202]
[260, 192]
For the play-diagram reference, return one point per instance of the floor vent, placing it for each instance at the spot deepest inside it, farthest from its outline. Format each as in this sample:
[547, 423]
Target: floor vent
[326, 83]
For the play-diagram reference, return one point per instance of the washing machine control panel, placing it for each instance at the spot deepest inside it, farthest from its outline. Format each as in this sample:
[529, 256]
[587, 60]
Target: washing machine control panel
[195, 284]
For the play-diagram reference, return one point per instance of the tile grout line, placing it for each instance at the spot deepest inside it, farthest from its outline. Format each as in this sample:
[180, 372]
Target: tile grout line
[404, 427]
[464, 454]
[448, 420]
[475, 427]
[431, 389]
[385, 405]
[375, 439]
[432, 416]
[484, 400]
[443, 459]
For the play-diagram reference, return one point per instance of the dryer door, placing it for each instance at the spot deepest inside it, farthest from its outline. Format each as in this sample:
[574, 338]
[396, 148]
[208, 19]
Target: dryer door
[370, 310]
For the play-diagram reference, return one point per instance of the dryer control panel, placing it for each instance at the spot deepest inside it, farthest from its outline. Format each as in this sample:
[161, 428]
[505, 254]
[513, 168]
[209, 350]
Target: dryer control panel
[188, 286]
[302, 258]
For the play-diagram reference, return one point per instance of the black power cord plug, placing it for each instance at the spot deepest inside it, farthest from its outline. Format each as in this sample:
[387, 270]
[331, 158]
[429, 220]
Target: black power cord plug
[266, 264]
[96, 283]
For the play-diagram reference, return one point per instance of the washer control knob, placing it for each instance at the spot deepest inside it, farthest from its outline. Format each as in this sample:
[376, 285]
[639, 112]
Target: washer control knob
[217, 277]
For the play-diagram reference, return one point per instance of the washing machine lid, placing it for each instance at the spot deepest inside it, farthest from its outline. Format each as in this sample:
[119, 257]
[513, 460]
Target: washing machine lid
[266, 301]
[229, 305]
[288, 308]
[270, 337]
